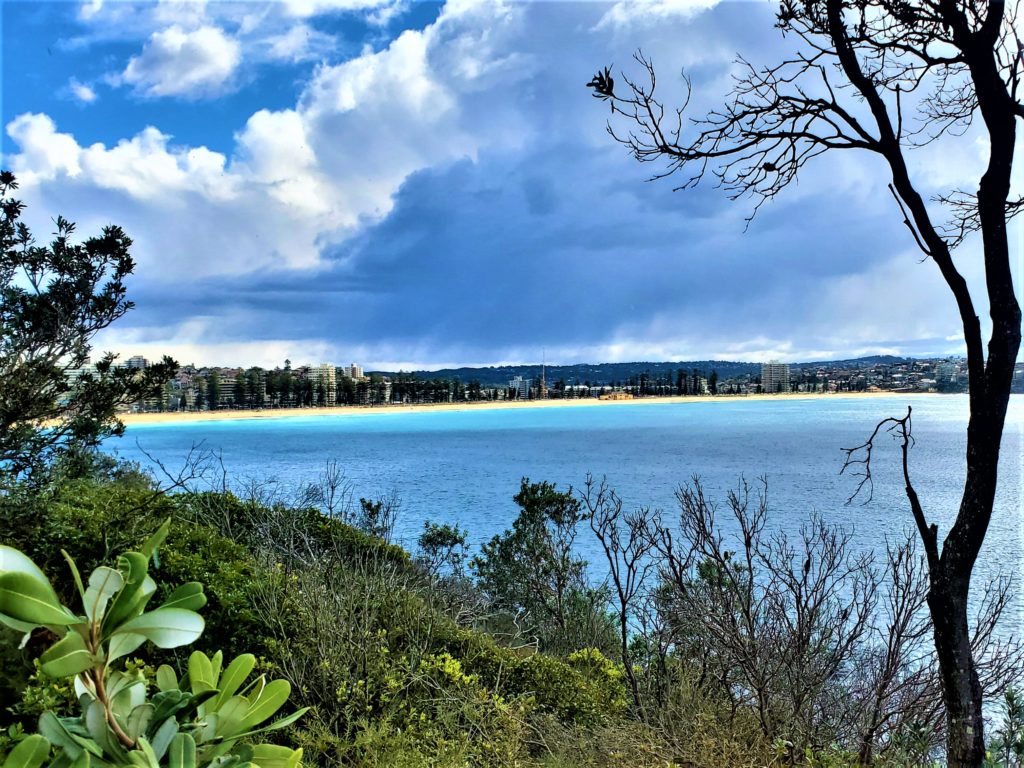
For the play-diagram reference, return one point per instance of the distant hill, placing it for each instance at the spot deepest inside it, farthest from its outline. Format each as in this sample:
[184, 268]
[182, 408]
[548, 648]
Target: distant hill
[610, 373]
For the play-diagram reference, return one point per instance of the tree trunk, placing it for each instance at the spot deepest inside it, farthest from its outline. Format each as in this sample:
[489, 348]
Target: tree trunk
[961, 690]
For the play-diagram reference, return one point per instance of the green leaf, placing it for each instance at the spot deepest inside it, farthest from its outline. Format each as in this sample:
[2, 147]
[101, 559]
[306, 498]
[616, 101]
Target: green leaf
[133, 567]
[274, 756]
[149, 549]
[54, 730]
[182, 752]
[231, 717]
[67, 657]
[25, 598]
[166, 678]
[200, 672]
[138, 721]
[216, 661]
[123, 643]
[163, 737]
[273, 697]
[233, 677]
[14, 561]
[82, 761]
[284, 722]
[104, 583]
[74, 573]
[31, 752]
[188, 596]
[95, 719]
[17, 626]
[165, 627]
[168, 704]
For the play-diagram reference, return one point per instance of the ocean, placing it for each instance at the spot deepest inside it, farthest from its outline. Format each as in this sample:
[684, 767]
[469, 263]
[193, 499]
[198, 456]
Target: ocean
[465, 466]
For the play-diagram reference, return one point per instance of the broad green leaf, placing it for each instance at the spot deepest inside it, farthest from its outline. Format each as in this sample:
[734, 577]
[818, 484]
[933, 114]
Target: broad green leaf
[182, 752]
[165, 627]
[82, 761]
[146, 592]
[96, 724]
[188, 596]
[12, 560]
[133, 567]
[166, 678]
[200, 672]
[163, 737]
[149, 549]
[277, 725]
[216, 663]
[167, 704]
[146, 748]
[67, 657]
[273, 697]
[127, 698]
[53, 729]
[25, 598]
[31, 752]
[17, 626]
[104, 583]
[123, 643]
[138, 721]
[232, 716]
[274, 756]
[236, 673]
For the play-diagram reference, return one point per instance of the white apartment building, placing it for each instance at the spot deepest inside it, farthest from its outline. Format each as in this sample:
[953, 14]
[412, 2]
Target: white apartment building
[774, 377]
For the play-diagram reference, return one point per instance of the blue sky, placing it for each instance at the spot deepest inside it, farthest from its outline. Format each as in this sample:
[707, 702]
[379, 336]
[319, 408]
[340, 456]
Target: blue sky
[429, 184]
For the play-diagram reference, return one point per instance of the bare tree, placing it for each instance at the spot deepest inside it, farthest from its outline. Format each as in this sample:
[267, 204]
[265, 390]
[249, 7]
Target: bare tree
[778, 618]
[626, 542]
[332, 492]
[885, 77]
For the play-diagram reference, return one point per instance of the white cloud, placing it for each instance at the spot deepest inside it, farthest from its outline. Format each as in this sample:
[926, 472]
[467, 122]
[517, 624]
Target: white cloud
[81, 92]
[191, 64]
[647, 12]
[307, 8]
[300, 42]
[44, 153]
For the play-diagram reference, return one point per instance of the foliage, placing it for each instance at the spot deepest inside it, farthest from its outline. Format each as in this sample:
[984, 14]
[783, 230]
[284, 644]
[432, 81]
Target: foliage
[53, 301]
[207, 718]
[533, 575]
[1007, 748]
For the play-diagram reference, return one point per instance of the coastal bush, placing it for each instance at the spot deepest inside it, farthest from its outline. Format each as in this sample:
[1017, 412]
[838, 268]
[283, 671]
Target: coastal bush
[209, 717]
[535, 580]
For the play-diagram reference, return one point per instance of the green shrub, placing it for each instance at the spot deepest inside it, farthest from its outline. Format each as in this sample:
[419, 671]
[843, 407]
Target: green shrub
[208, 718]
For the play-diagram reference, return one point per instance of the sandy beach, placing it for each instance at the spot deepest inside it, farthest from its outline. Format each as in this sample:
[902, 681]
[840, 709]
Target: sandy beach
[363, 410]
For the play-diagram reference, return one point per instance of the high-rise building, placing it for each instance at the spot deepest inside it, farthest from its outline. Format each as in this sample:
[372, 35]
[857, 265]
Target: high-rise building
[520, 388]
[774, 377]
[325, 384]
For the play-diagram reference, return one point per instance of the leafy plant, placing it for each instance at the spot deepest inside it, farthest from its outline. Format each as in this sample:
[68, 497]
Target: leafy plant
[205, 719]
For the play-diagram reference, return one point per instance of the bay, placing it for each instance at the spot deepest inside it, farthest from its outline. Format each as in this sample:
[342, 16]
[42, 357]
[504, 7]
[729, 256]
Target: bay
[465, 466]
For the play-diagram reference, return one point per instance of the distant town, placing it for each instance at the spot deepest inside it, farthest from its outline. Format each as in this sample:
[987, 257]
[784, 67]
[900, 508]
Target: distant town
[327, 385]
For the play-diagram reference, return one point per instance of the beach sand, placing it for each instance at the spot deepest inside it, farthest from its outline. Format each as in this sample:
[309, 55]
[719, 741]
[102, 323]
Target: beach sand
[363, 410]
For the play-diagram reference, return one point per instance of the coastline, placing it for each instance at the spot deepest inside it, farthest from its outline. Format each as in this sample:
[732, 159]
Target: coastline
[343, 411]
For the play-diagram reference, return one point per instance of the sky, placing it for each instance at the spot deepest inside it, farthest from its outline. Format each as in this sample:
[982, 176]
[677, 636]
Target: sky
[421, 185]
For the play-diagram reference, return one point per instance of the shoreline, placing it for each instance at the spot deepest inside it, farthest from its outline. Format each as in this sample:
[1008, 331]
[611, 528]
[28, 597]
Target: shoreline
[342, 411]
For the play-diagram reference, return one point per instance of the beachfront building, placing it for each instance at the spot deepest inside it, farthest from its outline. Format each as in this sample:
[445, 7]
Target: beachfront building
[774, 377]
[325, 384]
[519, 388]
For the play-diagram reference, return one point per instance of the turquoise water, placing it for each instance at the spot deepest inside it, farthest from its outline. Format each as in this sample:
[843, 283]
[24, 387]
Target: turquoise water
[465, 466]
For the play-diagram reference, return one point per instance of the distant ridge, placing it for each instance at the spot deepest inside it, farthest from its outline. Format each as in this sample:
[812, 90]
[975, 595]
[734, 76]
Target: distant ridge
[609, 373]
